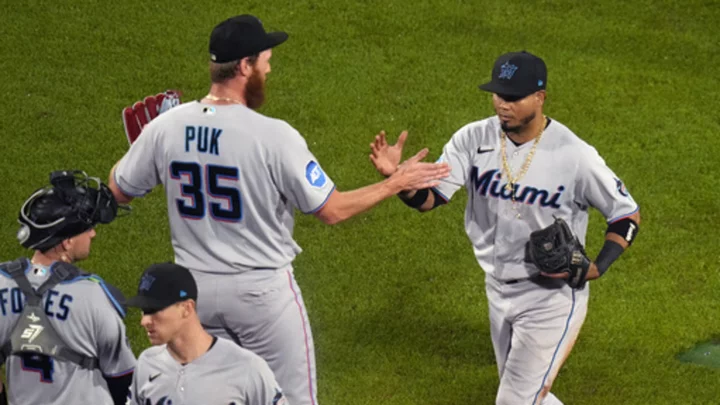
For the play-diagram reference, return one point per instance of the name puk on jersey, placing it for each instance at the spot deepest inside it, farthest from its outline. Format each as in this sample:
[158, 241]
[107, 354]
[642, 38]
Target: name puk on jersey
[314, 174]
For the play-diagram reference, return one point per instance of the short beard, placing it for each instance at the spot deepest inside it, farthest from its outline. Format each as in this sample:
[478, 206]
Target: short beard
[255, 90]
[518, 128]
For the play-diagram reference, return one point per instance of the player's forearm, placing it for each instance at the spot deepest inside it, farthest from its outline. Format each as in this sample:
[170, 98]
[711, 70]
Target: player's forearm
[617, 239]
[421, 200]
[342, 205]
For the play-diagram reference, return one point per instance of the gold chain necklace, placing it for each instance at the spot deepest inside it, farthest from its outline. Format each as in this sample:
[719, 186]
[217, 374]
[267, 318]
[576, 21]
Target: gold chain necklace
[215, 98]
[507, 169]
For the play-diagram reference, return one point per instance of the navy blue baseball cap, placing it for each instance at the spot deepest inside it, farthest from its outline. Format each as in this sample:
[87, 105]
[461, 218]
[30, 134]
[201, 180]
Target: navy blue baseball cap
[517, 74]
[241, 36]
[162, 285]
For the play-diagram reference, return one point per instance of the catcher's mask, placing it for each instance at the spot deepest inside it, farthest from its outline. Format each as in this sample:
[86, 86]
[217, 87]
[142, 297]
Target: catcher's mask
[73, 203]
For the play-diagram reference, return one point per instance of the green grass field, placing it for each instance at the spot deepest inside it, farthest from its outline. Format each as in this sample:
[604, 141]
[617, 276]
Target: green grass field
[396, 299]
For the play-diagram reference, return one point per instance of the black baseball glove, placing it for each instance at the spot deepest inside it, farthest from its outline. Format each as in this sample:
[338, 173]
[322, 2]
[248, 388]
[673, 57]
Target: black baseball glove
[556, 250]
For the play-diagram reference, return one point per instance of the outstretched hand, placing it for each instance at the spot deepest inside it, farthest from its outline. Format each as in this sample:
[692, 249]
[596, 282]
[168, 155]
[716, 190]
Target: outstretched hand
[385, 157]
[413, 174]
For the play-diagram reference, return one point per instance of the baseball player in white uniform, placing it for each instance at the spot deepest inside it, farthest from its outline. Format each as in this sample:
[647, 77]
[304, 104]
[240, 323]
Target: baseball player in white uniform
[186, 365]
[522, 170]
[61, 330]
[233, 178]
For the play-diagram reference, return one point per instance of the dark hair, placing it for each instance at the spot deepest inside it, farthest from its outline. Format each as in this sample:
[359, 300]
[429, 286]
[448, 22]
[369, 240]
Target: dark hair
[222, 72]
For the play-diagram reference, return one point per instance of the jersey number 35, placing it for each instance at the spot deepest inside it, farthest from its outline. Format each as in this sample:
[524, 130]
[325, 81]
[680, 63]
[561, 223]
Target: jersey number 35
[200, 183]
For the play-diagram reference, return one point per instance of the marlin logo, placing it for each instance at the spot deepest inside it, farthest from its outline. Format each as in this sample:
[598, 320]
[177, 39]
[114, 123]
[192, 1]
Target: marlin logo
[488, 184]
[146, 282]
[507, 71]
[32, 332]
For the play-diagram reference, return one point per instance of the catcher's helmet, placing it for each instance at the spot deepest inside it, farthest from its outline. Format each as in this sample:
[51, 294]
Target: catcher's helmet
[71, 205]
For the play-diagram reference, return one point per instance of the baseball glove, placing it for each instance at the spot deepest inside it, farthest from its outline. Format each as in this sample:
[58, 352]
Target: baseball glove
[556, 250]
[139, 114]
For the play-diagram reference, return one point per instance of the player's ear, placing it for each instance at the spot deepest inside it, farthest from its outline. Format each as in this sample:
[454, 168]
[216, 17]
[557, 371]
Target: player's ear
[67, 244]
[245, 67]
[188, 308]
[541, 95]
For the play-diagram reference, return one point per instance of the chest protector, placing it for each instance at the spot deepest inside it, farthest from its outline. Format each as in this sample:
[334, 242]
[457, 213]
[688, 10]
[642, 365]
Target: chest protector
[33, 333]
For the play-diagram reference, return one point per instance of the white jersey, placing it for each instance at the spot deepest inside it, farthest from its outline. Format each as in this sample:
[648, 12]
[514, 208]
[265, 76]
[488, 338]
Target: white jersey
[232, 179]
[226, 374]
[565, 178]
[86, 313]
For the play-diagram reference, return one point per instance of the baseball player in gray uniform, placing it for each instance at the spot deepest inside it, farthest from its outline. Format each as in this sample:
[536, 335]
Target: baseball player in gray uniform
[233, 178]
[523, 170]
[186, 365]
[62, 331]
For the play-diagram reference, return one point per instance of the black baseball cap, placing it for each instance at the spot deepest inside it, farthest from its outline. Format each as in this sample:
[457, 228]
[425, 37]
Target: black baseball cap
[162, 285]
[241, 36]
[517, 74]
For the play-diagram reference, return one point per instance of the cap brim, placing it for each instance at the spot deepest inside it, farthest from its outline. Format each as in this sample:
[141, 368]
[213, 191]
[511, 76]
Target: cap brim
[497, 88]
[274, 39]
[147, 303]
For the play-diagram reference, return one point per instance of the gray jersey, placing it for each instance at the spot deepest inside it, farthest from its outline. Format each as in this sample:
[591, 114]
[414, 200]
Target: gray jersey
[232, 178]
[226, 374]
[87, 316]
[565, 178]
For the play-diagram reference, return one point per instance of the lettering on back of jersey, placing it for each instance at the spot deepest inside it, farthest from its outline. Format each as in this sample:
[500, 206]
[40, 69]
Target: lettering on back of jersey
[56, 305]
[315, 175]
[203, 139]
[488, 184]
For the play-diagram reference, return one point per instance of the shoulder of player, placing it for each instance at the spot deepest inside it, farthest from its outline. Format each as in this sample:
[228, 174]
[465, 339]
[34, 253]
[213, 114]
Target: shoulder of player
[151, 354]
[477, 133]
[99, 289]
[280, 130]
[561, 135]
[168, 115]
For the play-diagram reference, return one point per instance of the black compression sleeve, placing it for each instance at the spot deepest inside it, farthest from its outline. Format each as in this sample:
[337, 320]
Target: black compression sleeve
[417, 200]
[608, 254]
[119, 388]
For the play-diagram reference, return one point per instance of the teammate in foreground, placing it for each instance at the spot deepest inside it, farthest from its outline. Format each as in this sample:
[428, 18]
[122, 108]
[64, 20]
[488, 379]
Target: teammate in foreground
[522, 170]
[187, 365]
[233, 178]
[47, 304]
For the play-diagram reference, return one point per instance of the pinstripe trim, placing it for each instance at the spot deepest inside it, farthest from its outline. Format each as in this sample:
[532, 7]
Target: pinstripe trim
[557, 348]
[307, 345]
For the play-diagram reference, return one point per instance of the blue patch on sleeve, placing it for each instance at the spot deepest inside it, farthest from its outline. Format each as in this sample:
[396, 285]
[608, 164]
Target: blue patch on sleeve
[314, 174]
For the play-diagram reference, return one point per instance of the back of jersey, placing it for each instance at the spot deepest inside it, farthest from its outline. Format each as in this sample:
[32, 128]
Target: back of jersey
[232, 178]
[83, 313]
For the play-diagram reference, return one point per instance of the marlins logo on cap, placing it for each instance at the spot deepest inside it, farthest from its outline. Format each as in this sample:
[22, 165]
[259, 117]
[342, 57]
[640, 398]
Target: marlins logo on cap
[146, 282]
[507, 71]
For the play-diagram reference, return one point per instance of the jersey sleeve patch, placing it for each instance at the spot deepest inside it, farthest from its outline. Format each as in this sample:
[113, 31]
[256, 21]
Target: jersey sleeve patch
[315, 175]
[621, 188]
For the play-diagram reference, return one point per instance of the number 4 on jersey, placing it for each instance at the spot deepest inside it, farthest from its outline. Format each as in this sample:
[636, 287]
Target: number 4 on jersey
[39, 363]
[192, 177]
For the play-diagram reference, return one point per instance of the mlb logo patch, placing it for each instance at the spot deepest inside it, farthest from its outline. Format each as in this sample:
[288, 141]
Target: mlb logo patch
[315, 175]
